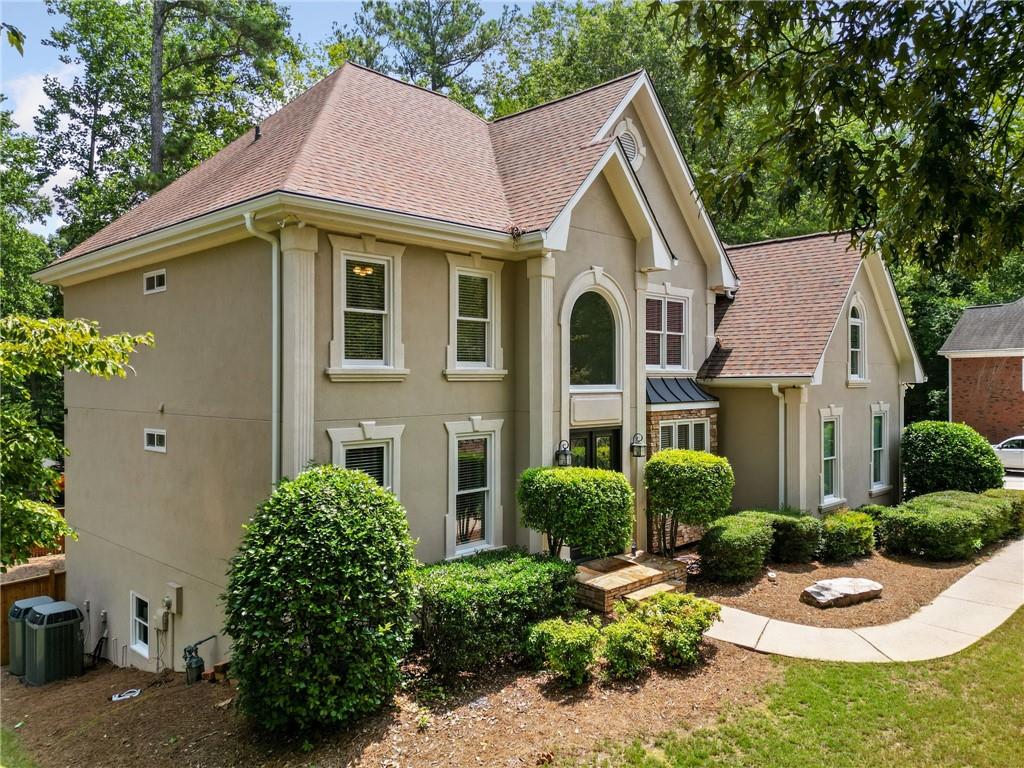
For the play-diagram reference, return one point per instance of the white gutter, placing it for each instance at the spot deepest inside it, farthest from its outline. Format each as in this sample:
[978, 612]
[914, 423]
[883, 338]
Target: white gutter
[782, 444]
[275, 346]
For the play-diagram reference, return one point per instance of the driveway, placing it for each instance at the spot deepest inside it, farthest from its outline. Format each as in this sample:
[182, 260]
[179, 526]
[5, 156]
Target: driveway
[1014, 481]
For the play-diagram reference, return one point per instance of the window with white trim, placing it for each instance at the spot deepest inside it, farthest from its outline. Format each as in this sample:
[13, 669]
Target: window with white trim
[474, 344]
[690, 435]
[155, 440]
[831, 460]
[474, 517]
[139, 633]
[367, 311]
[857, 368]
[593, 338]
[370, 448]
[154, 282]
[666, 332]
[879, 446]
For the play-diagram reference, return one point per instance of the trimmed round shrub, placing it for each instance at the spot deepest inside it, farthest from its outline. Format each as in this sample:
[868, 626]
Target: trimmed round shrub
[796, 537]
[846, 535]
[874, 511]
[945, 456]
[477, 611]
[567, 648]
[688, 487]
[679, 621]
[319, 602]
[629, 648]
[734, 548]
[589, 509]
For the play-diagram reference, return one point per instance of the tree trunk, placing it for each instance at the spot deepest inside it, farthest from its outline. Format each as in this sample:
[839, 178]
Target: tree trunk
[156, 96]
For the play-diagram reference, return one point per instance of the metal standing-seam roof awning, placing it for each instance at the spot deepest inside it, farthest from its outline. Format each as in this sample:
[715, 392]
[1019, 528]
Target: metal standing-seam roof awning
[677, 391]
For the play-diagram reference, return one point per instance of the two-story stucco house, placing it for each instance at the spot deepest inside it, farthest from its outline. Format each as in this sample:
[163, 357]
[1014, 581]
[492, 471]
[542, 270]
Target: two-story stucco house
[378, 278]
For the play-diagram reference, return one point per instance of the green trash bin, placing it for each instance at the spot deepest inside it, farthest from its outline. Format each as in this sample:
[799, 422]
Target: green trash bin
[54, 643]
[16, 631]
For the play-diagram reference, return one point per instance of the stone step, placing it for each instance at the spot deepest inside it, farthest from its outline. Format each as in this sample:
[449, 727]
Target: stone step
[651, 591]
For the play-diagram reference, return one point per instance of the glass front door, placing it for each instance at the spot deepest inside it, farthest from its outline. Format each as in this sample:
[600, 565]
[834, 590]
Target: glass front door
[598, 448]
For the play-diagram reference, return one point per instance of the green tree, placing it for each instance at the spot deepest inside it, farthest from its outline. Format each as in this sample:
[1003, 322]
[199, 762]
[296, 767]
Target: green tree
[904, 118]
[124, 130]
[28, 487]
[434, 43]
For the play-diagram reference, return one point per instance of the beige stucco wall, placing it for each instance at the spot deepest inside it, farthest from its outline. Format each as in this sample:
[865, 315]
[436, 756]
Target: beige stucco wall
[855, 428]
[145, 518]
[748, 436]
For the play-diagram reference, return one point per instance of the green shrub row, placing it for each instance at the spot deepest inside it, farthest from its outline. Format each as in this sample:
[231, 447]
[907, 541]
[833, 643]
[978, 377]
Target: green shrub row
[667, 628]
[951, 525]
[735, 547]
[796, 537]
[846, 535]
[477, 611]
[589, 509]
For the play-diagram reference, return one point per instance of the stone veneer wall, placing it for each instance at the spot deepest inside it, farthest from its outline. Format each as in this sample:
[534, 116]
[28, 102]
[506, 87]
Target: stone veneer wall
[686, 533]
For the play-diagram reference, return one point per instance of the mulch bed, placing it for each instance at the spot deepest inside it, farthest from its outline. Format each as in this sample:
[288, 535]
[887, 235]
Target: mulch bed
[508, 719]
[907, 585]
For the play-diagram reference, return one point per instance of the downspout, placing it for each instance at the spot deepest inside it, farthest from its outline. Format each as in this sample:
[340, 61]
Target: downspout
[275, 346]
[782, 444]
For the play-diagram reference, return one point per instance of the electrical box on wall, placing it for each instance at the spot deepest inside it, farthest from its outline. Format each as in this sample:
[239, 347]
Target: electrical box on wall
[174, 592]
[162, 619]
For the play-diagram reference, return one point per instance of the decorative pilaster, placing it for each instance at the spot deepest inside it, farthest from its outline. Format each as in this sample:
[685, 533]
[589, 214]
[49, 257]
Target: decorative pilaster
[540, 275]
[298, 333]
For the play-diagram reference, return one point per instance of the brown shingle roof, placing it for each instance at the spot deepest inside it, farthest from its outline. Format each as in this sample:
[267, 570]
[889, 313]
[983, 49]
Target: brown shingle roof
[791, 293]
[364, 138]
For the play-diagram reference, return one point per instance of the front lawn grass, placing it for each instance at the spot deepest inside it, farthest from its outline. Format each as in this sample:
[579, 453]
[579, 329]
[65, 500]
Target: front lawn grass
[11, 753]
[964, 710]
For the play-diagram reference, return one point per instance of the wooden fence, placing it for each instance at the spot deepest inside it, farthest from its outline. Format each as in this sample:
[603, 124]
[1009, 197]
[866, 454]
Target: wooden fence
[51, 584]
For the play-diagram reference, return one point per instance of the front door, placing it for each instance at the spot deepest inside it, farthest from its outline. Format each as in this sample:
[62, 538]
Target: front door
[598, 448]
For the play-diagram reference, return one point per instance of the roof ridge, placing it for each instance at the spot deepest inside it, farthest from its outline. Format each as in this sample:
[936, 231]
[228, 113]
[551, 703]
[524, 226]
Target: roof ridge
[393, 79]
[834, 233]
[573, 95]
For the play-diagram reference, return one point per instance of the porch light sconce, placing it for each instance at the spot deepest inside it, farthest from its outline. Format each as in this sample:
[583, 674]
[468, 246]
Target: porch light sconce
[637, 449]
[563, 456]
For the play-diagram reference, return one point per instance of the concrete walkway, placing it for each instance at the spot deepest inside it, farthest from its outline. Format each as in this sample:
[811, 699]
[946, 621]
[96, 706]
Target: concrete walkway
[968, 610]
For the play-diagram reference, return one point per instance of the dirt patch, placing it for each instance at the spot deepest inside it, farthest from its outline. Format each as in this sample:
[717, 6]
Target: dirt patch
[36, 566]
[907, 585]
[511, 719]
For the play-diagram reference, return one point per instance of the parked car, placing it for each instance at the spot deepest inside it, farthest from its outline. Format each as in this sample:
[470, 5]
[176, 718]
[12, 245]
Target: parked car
[1011, 452]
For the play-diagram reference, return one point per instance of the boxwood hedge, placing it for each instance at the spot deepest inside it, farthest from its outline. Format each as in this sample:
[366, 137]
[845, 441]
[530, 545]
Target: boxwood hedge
[944, 456]
[735, 547]
[477, 611]
[846, 535]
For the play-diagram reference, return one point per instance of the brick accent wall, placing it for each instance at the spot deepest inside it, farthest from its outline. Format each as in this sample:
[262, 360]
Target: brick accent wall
[686, 533]
[988, 395]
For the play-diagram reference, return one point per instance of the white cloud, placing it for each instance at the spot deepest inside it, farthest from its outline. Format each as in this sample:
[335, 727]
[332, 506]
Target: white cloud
[26, 96]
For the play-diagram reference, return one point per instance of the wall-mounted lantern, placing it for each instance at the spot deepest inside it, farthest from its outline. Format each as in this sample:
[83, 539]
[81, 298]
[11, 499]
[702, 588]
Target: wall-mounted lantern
[563, 456]
[637, 449]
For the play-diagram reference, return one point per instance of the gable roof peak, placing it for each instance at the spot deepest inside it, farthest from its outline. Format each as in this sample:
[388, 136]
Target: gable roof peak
[635, 73]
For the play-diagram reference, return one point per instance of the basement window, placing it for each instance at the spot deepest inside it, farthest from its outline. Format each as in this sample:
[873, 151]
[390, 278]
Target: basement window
[140, 625]
[155, 440]
[154, 282]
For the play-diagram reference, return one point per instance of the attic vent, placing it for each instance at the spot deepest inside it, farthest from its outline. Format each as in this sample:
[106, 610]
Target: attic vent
[632, 145]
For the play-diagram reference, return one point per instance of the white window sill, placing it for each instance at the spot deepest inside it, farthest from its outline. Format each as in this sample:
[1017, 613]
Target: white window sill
[473, 551]
[854, 383]
[673, 372]
[831, 505]
[367, 374]
[595, 389]
[880, 490]
[475, 374]
[141, 650]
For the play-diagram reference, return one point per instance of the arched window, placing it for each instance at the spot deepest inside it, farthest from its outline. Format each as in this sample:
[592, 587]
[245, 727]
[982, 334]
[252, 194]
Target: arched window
[592, 342]
[856, 343]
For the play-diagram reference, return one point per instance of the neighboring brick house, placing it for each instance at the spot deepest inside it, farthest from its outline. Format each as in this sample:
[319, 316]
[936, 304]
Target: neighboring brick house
[986, 369]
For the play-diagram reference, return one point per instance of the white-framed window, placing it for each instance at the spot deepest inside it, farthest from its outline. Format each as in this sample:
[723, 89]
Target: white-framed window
[474, 516]
[666, 321]
[857, 360]
[154, 440]
[474, 332]
[831, 456]
[689, 434]
[632, 145]
[371, 448]
[880, 446]
[139, 630]
[154, 282]
[367, 334]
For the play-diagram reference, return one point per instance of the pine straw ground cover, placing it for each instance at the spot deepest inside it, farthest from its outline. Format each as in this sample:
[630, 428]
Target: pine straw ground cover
[907, 585]
[962, 710]
[505, 719]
